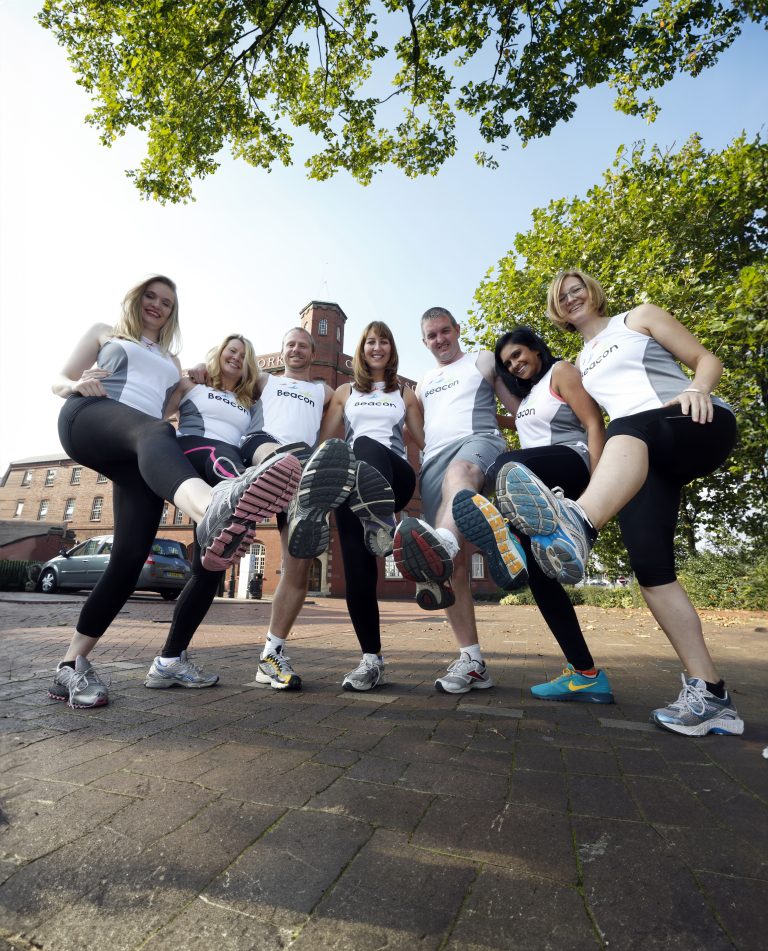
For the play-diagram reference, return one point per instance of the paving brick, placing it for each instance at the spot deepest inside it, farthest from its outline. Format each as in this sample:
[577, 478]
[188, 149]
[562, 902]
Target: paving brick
[393, 896]
[668, 801]
[601, 796]
[377, 769]
[742, 906]
[507, 910]
[537, 788]
[651, 904]
[511, 835]
[283, 876]
[449, 780]
[379, 805]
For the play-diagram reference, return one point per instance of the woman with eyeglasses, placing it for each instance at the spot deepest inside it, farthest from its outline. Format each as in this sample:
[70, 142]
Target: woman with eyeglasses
[666, 430]
[561, 434]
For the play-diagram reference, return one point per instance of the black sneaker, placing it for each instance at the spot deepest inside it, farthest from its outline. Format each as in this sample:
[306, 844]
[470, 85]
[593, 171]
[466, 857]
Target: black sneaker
[326, 482]
[373, 502]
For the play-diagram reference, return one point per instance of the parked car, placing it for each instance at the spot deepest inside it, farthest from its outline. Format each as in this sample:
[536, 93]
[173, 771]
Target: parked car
[166, 569]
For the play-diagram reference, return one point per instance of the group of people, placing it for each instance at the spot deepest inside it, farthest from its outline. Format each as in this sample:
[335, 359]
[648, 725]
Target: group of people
[250, 445]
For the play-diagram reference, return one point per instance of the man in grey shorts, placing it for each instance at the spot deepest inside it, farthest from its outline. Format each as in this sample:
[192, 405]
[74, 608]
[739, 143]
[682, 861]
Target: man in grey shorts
[461, 443]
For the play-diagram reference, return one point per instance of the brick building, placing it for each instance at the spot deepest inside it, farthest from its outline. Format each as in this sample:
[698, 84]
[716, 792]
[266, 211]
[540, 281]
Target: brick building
[55, 489]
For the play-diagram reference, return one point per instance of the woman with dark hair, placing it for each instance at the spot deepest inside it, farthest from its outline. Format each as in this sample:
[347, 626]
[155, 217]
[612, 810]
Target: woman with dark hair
[666, 430]
[561, 434]
[117, 384]
[374, 407]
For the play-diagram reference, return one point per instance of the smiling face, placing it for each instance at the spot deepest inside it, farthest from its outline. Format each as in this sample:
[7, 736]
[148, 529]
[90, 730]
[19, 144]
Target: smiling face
[231, 360]
[521, 361]
[157, 304]
[376, 352]
[441, 338]
[297, 351]
[573, 299]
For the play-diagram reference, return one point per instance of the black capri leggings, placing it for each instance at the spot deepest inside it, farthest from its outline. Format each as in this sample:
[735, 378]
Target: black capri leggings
[679, 451]
[141, 457]
[563, 467]
[213, 461]
[361, 570]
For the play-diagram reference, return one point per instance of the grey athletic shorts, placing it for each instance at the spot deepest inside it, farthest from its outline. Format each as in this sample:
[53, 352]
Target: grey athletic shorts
[482, 449]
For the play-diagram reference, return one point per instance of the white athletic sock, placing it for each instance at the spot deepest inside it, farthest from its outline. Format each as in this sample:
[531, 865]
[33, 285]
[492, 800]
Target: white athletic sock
[474, 652]
[272, 643]
[166, 661]
[450, 541]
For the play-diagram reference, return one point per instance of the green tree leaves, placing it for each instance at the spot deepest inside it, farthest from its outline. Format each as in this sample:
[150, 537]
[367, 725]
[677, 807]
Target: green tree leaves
[199, 76]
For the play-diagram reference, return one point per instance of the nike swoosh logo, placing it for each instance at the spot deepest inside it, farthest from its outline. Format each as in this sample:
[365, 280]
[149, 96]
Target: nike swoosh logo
[574, 687]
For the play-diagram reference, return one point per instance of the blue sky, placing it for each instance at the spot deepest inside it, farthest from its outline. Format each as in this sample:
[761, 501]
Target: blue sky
[256, 247]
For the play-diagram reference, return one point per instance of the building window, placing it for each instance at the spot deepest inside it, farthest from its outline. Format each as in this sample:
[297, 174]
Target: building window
[50, 475]
[26, 479]
[43, 510]
[322, 327]
[164, 516]
[74, 479]
[19, 509]
[69, 509]
[178, 518]
[96, 507]
[259, 558]
[478, 566]
[391, 570]
[101, 478]
[338, 334]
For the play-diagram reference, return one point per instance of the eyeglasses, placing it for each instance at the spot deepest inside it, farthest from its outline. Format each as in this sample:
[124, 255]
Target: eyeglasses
[571, 292]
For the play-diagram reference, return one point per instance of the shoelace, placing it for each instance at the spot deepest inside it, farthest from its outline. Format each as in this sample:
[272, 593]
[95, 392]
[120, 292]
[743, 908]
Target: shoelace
[282, 661]
[691, 699]
[85, 679]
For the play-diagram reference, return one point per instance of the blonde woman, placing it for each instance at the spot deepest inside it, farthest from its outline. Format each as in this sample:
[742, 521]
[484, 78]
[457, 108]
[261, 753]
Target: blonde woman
[212, 421]
[666, 430]
[117, 385]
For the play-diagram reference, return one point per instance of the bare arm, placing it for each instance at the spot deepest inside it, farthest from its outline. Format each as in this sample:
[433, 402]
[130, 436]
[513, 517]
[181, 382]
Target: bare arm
[333, 413]
[566, 382]
[694, 399]
[78, 375]
[508, 401]
[414, 416]
[182, 388]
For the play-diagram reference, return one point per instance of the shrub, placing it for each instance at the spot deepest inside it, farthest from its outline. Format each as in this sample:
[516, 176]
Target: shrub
[15, 574]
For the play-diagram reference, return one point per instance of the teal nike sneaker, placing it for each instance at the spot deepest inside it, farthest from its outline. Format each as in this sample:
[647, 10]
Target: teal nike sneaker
[572, 685]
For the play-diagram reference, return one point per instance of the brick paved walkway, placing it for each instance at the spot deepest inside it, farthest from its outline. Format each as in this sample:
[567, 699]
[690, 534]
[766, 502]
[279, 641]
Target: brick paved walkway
[243, 818]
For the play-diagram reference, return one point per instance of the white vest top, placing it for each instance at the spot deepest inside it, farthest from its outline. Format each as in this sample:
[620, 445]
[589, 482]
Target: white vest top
[545, 419]
[139, 376]
[290, 410]
[378, 415]
[627, 372]
[458, 402]
[213, 414]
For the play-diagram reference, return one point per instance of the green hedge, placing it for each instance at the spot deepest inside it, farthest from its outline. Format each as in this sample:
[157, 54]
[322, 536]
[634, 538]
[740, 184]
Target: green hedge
[734, 580]
[15, 575]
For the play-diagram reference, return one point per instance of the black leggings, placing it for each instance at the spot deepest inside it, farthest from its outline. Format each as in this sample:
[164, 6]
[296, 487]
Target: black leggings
[679, 451]
[213, 462]
[141, 457]
[361, 570]
[563, 467]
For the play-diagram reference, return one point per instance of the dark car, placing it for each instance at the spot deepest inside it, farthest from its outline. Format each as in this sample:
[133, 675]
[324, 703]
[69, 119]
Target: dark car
[166, 569]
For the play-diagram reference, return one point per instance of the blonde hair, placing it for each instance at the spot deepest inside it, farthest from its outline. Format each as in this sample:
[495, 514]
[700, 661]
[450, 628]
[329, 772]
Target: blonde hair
[244, 391]
[361, 375]
[129, 326]
[594, 291]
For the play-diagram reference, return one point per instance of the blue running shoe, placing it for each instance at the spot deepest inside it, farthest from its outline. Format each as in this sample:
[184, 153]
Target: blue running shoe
[573, 686]
[697, 712]
[561, 537]
[481, 523]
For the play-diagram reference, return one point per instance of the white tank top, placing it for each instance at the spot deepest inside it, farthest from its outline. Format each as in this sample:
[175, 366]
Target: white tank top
[458, 402]
[213, 414]
[290, 410]
[628, 372]
[378, 415]
[545, 419]
[139, 375]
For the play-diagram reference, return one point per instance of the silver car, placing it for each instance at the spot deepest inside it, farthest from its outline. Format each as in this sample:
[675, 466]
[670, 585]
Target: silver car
[166, 569]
